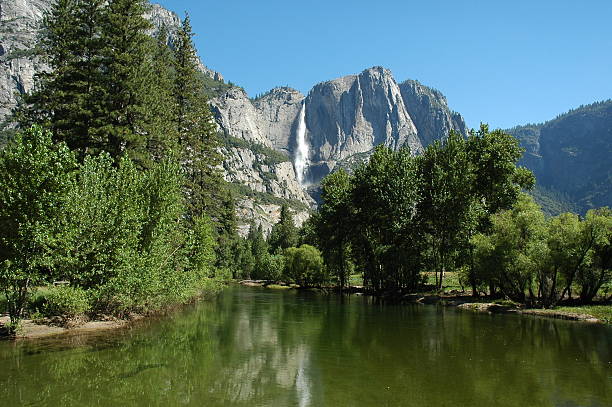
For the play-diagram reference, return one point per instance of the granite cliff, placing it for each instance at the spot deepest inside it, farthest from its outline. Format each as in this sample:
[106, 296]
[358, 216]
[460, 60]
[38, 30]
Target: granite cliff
[337, 124]
[345, 118]
[19, 30]
[429, 110]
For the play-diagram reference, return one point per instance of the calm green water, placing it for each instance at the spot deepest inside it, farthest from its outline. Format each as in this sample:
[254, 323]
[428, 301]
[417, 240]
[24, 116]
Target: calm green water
[257, 347]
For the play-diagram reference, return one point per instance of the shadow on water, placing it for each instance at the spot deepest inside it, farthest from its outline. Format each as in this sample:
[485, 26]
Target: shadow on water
[299, 348]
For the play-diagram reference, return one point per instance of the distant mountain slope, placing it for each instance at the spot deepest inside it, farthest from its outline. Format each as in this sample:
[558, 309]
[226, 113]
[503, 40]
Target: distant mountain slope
[571, 155]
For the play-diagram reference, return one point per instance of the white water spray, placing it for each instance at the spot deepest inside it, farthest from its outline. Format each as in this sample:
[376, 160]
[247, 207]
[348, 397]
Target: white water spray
[301, 155]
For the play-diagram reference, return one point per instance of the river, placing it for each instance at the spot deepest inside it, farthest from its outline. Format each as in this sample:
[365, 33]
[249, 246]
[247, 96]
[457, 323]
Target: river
[261, 347]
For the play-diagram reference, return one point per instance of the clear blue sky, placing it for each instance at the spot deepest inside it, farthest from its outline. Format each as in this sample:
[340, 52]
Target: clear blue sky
[505, 62]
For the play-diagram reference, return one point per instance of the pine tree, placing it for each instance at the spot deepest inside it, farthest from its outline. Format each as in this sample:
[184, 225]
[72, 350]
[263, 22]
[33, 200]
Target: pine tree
[163, 134]
[284, 234]
[227, 236]
[127, 76]
[259, 248]
[66, 98]
[197, 131]
[100, 93]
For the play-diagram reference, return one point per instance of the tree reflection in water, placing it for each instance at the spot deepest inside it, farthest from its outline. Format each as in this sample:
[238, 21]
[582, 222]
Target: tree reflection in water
[265, 347]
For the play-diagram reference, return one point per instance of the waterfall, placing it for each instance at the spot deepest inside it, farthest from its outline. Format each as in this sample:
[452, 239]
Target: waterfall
[301, 155]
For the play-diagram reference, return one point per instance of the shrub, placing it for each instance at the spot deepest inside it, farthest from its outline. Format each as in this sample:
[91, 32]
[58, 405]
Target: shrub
[223, 274]
[66, 301]
[304, 266]
[272, 266]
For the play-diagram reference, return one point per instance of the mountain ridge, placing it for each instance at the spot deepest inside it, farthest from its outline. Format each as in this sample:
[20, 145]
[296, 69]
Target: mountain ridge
[570, 154]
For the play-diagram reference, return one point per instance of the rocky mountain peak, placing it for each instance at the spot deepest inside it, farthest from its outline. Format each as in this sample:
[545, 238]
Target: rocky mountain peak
[354, 114]
[429, 110]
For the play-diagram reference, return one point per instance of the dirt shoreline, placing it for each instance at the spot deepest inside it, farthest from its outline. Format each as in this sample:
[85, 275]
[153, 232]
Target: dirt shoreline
[34, 330]
[463, 302]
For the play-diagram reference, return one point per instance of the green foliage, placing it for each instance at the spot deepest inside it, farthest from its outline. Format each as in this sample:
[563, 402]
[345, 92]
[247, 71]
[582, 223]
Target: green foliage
[65, 301]
[553, 202]
[601, 312]
[446, 200]
[97, 95]
[34, 177]
[136, 252]
[203, 256]
[284, 234]
[513, 248]
[195, 124]
[244, 260]
[141, 218]
[116, 231]
[538, 261]
[271, 266]
[597, 270]
[570, 157]
[304, 266]
[259, 249]
[401, 215]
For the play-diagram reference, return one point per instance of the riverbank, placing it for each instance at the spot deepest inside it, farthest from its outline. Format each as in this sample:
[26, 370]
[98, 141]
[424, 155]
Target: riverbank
[31, 329]
[601, 314]
[43, 327]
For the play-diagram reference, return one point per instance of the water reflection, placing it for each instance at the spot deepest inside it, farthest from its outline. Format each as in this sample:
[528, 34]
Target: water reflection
[269, 348]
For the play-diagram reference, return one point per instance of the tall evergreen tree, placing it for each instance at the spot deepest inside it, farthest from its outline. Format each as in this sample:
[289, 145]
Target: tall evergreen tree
[197, 130]
[163, 134]
[284, 234]
[66, 99]
[259, 248]
[100, 93]
[128, 73]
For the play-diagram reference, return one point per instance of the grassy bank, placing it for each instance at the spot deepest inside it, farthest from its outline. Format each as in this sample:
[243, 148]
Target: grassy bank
[600, 312]
[48, 313]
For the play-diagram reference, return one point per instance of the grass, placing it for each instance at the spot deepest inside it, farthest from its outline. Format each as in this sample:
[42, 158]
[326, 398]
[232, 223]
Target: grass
[450, 282]
[356, 280]
[601, 312]
[278, 287]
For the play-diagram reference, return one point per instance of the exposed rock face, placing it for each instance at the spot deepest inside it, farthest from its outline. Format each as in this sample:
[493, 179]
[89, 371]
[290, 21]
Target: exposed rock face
[265, 183]
[161, 17]
[354, 114]
[237, 117]
[429, 110]
[19, 21]
[19, 29]
[279, 110]
[345, 118]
